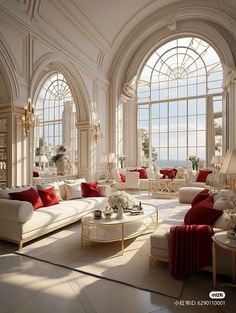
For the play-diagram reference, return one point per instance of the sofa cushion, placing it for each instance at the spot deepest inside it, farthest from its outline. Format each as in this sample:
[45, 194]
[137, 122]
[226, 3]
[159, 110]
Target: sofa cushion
[187, 194]
[168, 173]
[73, 190]
[202, 176]
[4, 193]
[48, 196]
[90, 189]
[30, 195]
[202, 213]
[223, 204]
[66, 210]
[142, 173]
[202, 195]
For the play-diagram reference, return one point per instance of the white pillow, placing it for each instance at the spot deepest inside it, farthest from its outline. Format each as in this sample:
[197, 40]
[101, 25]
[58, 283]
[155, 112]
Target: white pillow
[222, 204]
[73, 191]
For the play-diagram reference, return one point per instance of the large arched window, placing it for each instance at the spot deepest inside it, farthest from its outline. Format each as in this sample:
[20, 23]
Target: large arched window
[55, 122]
[179, 99]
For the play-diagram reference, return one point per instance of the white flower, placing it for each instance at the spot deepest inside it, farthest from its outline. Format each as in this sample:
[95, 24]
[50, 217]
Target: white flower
[229, 217]
[120, 198]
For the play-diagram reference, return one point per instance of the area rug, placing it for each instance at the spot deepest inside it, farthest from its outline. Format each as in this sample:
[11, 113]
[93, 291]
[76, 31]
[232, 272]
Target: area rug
[105, 260]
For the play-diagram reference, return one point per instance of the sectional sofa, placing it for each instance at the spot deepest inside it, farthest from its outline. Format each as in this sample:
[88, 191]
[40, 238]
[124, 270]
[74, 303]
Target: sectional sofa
[20, 223]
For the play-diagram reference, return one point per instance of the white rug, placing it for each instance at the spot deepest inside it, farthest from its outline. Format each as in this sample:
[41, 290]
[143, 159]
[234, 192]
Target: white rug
[105, 260]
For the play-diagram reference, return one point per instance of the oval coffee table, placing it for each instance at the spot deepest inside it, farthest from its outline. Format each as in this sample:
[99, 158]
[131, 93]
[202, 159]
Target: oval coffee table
[111, 229]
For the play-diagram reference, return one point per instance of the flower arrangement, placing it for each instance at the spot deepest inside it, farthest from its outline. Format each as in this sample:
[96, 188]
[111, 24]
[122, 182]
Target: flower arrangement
[120, 199]
[61, 152]
[229, 217]
[122, 159]
[195, 161]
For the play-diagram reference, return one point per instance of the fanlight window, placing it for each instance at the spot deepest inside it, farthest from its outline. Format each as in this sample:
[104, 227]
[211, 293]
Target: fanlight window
[179, 100]
[55, 124]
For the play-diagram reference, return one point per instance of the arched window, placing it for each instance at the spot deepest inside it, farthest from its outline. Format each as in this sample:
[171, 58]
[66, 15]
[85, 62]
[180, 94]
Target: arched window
[55, 123]
[179, 99]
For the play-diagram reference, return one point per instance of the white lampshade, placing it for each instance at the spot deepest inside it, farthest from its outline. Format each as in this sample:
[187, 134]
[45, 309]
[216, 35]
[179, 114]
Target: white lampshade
[108, 158]
[215, 159]
[40, 159]
[229, 163]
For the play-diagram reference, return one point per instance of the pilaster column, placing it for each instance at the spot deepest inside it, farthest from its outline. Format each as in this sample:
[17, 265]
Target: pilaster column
[86, 150]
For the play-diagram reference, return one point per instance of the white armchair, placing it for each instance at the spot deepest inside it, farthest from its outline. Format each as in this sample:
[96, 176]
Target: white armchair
[132, 181]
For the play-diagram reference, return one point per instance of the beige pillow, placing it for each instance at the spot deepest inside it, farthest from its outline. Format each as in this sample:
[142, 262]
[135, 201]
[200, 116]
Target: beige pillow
[73, 191]
[222, 204]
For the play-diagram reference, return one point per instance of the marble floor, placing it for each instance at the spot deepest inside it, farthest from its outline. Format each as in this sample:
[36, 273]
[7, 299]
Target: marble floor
[31, 286]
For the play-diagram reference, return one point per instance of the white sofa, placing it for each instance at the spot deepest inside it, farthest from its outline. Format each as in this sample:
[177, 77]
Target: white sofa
[19, 223]
[159, 238]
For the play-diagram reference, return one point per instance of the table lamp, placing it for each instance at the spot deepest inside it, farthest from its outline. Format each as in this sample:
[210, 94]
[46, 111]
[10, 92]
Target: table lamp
[109, 159]
[229, 167]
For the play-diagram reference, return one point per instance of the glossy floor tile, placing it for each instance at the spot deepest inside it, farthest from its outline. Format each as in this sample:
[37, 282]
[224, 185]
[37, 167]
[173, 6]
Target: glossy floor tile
[31, 286]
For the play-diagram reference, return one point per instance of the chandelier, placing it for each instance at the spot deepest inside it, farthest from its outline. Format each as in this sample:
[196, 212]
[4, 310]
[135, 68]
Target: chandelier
[28, 118]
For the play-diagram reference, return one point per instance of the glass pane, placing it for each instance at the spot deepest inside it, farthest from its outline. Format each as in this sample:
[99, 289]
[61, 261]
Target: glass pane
[155, 110]
[201, 106]
[163, 109]
[163, 125]
[182, 139]
[182, 155]
[173, 109]
[201, 122]
[172, 123]
[192, 123]
[192, 139]
[192, 107]
[155, 140]
[172, 139]
[182, 108]
[163, 140]
[173, 155]
[155, 125]
[182, 123]
[201, 138]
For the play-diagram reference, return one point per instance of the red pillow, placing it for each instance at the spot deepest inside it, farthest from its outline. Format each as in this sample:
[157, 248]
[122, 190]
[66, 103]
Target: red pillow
[202, 213]
[142, 173]
[29, 195]
[202, 176]
[168, 173]
[202, 195]
[48, 196]
[90, 190]
[123, 178]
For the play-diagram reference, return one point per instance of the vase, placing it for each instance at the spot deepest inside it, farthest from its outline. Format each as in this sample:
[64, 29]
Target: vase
[120, 213]
[61, 166]
[231, 234]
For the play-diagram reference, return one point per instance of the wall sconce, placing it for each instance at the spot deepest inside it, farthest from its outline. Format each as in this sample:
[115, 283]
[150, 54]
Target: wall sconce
[98, 133]
[28, 118]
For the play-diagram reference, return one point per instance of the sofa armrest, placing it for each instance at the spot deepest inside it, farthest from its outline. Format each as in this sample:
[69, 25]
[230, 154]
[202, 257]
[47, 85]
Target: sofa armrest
[14, 210]
[186, 194]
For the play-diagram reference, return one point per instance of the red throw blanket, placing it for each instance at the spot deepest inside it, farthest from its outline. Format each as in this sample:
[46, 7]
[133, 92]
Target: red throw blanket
[190, 249]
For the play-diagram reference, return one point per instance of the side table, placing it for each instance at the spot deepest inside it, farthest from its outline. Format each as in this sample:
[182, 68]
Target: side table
[222, 240]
